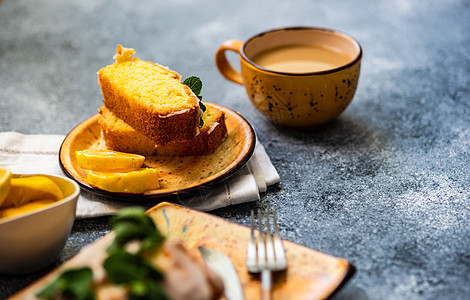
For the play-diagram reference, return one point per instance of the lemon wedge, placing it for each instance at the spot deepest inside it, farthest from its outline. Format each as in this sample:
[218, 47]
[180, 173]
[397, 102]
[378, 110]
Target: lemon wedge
[32, 188]
[12, 211]
[5, 183]
[108, 160]
[137, 181]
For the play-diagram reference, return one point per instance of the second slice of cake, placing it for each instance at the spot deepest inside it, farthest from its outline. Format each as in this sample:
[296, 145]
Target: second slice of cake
[120, 136]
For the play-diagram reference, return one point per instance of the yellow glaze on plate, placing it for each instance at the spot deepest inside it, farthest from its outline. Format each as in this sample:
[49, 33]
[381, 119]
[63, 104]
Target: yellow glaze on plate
[177, 174]
[310, 275]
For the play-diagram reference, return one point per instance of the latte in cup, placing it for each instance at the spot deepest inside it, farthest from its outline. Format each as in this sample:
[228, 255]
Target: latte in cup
[298, 77]
[301, 58]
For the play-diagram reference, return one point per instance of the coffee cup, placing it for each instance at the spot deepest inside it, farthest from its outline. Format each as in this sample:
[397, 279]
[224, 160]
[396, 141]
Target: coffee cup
[298, 77]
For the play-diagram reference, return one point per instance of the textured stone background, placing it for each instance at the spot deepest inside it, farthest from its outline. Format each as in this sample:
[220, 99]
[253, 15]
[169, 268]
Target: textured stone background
[385, 186]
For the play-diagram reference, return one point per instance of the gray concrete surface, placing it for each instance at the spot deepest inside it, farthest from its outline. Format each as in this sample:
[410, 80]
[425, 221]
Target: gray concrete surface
[385, 186]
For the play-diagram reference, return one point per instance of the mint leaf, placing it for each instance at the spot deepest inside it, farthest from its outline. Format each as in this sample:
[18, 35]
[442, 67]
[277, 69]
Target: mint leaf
[155, 291]
[202, 106]
[134, 215]
[149, 290]
[124, 267]
[131, 270]
[133, 224]
[195, 84]
[71, 284]
[150, 243]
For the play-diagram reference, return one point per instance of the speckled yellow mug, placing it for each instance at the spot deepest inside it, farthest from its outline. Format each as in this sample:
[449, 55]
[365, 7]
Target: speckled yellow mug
[294, 95]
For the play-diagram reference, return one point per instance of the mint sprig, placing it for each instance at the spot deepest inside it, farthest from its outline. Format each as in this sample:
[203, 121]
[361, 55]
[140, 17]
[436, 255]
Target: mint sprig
[195, 84]
[133, 224]
[72, 284]
[138, 275]
[132, 270]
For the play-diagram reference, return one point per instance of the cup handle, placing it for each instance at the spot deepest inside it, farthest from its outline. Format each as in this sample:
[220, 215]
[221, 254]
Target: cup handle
[222, 63]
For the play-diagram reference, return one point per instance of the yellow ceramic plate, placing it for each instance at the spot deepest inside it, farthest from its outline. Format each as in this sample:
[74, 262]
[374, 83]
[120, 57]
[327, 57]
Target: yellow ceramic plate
[310, 274]
[178, 175]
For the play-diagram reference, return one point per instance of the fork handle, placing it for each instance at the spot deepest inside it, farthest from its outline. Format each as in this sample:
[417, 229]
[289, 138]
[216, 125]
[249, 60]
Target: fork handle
[266, 285]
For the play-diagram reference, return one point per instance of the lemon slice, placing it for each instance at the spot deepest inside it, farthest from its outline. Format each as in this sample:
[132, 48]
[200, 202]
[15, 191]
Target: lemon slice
[5, 183]
[32, 188]
[107, 160]
[12, 211]
[136, 182]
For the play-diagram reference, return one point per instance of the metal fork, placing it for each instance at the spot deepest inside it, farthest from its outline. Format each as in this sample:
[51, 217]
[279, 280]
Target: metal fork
[265, 252]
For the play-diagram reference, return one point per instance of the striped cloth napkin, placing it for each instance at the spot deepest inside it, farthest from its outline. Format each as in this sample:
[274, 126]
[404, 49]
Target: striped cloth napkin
[39, 153]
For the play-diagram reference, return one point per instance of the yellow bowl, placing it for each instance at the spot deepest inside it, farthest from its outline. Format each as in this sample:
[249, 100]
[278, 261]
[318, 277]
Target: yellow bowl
[32, 240]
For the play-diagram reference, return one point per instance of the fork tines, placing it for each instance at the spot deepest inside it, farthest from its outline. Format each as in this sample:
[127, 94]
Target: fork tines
[265, 250]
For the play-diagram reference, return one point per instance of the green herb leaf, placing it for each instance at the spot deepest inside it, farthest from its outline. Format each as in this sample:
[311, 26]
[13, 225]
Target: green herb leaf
[155, 291]
[151, 243]
[132, 270]
[149, 290]
[135, 215]
[195, 84]
[124, 267]
[133, 224]
[71, 284]
[138, 289]
[202, 106]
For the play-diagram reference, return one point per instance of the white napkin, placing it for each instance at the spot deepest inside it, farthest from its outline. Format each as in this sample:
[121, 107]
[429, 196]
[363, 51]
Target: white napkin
[39, 153]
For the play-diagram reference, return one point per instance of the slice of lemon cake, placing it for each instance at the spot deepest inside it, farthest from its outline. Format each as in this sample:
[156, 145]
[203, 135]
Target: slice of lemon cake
[120, 136]
[150, 98]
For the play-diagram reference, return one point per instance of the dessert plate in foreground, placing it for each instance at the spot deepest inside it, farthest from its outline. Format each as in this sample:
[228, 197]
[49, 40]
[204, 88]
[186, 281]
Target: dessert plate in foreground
[178, 174]
[310, 274]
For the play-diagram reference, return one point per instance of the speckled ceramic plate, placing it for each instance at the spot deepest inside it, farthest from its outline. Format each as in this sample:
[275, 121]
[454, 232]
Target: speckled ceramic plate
[310, 274]
[178, 175]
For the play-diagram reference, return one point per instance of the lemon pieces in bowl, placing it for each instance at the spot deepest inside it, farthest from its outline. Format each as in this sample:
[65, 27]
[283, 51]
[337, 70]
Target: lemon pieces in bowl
[31, 206]
[35, 232]
[117, 172]
[20, 194]
[5, 183]
[24, 190]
